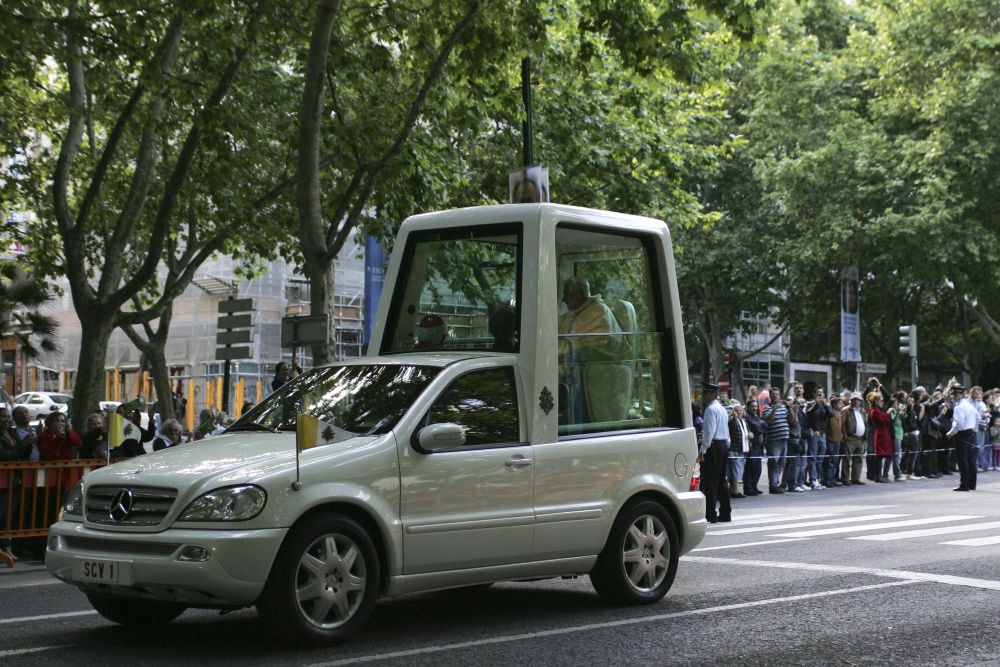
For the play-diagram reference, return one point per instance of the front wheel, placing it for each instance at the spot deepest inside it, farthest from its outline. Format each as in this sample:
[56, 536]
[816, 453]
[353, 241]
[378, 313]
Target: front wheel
[135, 611]
[324, 583]
[639, 560]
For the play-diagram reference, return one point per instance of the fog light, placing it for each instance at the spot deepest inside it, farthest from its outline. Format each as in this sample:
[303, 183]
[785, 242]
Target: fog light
[53, 543]
[194, 554]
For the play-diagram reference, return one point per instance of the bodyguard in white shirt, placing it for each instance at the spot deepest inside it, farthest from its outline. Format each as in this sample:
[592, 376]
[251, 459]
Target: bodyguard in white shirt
[714, 455]
[963, 429]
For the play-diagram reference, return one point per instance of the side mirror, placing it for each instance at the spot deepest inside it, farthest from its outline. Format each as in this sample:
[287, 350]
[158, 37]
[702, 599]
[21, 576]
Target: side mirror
[441, 437]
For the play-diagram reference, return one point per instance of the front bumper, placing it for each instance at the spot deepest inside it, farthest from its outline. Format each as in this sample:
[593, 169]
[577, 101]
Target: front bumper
[232, 573]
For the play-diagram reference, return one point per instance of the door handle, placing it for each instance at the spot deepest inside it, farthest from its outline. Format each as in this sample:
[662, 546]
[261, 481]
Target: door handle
[518, 462]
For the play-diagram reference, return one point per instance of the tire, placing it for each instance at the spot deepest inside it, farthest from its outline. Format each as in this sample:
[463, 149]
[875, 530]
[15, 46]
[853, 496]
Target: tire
[131, 611]
[639, 560]
[323, 584]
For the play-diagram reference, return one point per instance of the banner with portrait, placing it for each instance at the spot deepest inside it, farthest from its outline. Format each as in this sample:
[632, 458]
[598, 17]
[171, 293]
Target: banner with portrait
[850, 318]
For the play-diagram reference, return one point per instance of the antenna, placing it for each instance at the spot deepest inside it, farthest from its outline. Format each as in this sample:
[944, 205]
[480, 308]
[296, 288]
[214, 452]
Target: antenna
[297, 484]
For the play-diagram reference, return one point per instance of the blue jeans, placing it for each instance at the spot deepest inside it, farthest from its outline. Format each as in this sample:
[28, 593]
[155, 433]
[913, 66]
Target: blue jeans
[751, 473]
[831, 466]
[815, 453]
[736, 463]
[795, 464]
[911, 459]
[985, 451]
[776, 451]
[894, 460]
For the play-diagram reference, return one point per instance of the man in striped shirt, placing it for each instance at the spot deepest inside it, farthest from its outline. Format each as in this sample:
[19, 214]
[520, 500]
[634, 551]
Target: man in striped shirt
[776, 417]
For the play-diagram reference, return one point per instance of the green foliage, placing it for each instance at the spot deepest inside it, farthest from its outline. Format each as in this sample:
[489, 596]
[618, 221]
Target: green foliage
[22, 298]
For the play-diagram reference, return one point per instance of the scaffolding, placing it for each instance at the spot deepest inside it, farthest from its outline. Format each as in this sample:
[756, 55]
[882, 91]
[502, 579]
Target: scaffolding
[190, 351]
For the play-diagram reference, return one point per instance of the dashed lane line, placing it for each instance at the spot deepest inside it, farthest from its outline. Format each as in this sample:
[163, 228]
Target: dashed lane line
[46, 617]
[27, 584]
[976, 541]
[441, 648]
[947, 579]
[10, 653]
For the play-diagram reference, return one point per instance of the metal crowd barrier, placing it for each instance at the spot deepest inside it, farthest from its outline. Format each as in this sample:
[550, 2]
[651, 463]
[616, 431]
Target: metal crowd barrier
[31, 494]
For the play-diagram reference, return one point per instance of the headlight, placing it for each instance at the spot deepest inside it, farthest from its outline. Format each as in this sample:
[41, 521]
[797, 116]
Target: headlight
[72, 509]
[235, 503]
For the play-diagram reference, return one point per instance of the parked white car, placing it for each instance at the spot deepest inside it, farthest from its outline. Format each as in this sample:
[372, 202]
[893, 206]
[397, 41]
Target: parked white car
[41, 403]
[493, 445]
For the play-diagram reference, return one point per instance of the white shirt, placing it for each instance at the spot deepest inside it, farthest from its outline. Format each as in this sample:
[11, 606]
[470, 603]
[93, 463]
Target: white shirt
[715, 426]
[859, 423]
[966, 417]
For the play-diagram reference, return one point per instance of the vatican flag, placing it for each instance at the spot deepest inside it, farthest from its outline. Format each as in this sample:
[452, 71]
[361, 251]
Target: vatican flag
[310, 432]
[120, 430]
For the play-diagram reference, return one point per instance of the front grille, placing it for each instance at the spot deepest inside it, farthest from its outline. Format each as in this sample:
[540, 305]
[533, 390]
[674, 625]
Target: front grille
[104, 545]
[149, 505]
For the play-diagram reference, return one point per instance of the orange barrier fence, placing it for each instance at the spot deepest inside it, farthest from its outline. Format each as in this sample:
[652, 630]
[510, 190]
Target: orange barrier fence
[32, 492]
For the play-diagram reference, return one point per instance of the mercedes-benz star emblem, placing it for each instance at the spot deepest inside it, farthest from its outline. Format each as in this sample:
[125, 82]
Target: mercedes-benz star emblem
[121, 505]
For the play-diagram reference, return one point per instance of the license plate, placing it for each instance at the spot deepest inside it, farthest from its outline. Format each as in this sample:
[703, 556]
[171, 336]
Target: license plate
[103, 571]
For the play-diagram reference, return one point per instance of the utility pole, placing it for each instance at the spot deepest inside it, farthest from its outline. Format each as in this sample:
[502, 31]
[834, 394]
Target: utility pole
[527, 130]
[908, 346]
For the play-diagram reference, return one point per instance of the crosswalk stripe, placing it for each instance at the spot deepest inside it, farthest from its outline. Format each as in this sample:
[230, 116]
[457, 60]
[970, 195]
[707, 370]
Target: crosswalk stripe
[747, 544]
[964, 528]
[804, 524]
[976, 541]
[771, 518]
[880, 526]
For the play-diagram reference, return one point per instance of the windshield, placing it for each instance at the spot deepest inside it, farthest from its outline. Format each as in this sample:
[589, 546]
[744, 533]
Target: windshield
[458, 289]
[363, 400]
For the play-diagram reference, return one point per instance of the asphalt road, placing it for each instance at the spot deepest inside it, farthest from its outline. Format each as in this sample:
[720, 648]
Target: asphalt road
[901, 574]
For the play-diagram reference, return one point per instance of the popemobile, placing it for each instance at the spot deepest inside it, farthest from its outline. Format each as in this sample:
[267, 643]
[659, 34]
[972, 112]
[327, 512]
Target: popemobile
[523, 414]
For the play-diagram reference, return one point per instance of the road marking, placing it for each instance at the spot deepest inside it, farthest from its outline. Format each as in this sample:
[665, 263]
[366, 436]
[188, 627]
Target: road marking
[805, 524]
[964, 528]
[440, 648]
[771, 518]
[21, 651]
[950, 580]
[976, 541]
[749, 544]
[879, 526]
[65, 614]
[25, 584]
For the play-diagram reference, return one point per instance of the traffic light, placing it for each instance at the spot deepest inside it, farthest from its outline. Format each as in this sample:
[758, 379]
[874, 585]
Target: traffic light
[908, 340]
[727, 363]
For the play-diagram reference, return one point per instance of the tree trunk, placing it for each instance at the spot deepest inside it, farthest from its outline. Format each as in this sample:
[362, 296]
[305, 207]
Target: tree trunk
[322, 300]
[161, 380]
[88, 390]
[312, 236]
[153, 347]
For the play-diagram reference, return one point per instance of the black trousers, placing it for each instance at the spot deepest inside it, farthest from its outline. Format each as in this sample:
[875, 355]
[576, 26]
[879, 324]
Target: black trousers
[965, 450]
[714, 481]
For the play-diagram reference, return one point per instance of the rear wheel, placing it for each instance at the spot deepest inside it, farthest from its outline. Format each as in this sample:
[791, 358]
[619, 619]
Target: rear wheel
[324, 582]
[639, 560]
[135, 611]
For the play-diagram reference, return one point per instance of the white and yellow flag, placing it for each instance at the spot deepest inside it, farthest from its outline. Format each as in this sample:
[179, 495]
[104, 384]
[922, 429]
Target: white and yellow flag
[120, 430]
[310, 432]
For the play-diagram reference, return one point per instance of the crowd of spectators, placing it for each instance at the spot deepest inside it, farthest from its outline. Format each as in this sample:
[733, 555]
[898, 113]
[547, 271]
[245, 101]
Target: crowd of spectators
[793, 444]
[56, 440]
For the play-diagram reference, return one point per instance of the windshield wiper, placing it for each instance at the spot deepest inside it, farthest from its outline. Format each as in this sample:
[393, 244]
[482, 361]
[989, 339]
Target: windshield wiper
[251, 426]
